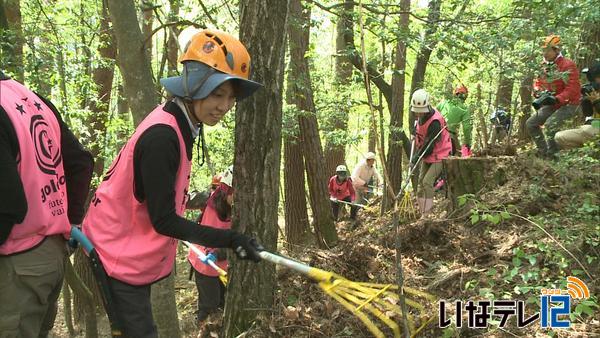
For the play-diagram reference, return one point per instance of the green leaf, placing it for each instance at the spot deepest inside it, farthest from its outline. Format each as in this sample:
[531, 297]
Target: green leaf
[516, 261]
[505, 215]
[495, 219]
[474, 218]
[532, 259]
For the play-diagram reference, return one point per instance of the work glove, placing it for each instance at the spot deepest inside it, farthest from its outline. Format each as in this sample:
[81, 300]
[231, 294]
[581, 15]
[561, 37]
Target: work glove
[210, 257]
[246, 247]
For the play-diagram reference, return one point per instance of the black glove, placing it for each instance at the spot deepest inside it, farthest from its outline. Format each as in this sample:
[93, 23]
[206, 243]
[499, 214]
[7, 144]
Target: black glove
[246, 247]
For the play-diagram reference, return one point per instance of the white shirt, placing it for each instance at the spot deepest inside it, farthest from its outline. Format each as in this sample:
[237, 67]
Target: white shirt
[362, 174]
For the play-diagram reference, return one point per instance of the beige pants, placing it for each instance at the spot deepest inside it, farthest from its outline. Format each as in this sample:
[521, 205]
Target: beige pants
[575, 138]
[428, 174]
[30, 283]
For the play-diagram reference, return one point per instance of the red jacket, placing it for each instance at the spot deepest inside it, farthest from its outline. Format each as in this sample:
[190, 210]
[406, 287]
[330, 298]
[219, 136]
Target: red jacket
[341, 190]
[568, 92]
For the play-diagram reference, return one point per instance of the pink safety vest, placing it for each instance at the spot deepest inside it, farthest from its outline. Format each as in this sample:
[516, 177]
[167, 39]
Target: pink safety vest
[40, 167]
[119, 225]
[443, 147]
[209, 218]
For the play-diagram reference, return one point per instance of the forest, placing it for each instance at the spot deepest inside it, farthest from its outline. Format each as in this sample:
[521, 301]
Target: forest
[401, 168]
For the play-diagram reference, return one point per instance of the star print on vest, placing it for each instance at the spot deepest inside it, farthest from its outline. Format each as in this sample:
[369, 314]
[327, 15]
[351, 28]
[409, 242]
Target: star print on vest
[20, 108]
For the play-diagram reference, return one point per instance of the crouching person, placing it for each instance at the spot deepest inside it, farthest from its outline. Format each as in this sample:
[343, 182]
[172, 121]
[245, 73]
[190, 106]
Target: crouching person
[211, 291]
[341, 189]
[590, 107]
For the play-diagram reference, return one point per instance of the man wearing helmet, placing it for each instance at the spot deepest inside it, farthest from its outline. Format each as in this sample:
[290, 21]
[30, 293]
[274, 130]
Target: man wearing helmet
[135, 217]
[590, 107]
[433, 145]
[341, 189]
[365, 176]
[558, 92]
[456, 113]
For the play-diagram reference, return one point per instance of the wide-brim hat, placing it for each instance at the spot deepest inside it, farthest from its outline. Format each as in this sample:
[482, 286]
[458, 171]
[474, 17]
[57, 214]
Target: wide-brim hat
[202, 80]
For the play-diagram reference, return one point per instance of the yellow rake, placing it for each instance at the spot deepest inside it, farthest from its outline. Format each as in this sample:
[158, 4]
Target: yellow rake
[202, 256]
[367, 301]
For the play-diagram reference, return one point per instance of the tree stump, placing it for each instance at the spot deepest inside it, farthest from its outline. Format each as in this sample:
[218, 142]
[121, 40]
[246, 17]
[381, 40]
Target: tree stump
[474, 174]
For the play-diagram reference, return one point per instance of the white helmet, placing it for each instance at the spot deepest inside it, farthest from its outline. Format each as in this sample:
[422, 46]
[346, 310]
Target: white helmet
[419, 102]
[370, 155]
[341, 167]
[227, 176]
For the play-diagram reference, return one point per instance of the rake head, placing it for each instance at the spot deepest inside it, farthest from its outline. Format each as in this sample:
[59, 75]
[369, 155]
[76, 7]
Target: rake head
[372, 303]
[406, 206]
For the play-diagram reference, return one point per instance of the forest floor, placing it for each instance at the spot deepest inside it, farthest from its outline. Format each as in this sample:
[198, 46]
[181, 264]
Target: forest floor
[493, 248]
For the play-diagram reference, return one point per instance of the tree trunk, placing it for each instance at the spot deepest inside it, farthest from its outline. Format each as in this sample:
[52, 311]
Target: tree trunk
[147, 22]
[12, 32]
[164, 307]
[418, 76]
[302, 96]
[471, 175]
[257, 157]
[297, 231]
[504, 92]
[103, 78]
[132, 59]
[172, 42]
[394, 159]
[338, 122]
[525, 95]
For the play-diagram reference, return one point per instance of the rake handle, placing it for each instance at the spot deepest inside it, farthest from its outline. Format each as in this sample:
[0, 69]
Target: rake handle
[202, 257]
[289, 263]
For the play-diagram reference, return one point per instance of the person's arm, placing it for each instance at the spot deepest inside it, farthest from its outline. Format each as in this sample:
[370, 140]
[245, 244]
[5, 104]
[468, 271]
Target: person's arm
[13, 203]
[156, 161]
[78, 164]
[351, 189]
[432, 137]
[572, 87]
[330, 186]
[467, 126]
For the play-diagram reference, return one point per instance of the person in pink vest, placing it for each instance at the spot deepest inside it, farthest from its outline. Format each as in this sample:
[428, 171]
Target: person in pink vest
[217, 214]
[44, 180]
[136, 215]
[433, 145]
[341, 189]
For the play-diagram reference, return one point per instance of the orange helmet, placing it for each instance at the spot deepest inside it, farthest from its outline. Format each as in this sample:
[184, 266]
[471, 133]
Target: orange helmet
[551, 41]
[210, 58]
[216, 180]
[461, 90]
[220, 51]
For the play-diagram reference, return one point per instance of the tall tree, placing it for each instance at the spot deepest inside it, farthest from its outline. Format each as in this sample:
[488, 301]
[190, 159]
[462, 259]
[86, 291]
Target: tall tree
[11, 31]
[338, 122]
[132, 59]
[427, 46]
[302, 98]
[102, 76]
[297, 231]
[257, 159]
[394, 159]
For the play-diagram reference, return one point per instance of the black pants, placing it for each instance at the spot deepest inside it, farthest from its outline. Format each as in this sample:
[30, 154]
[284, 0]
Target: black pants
[134, 309]
[335, 208]
[211, 295]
